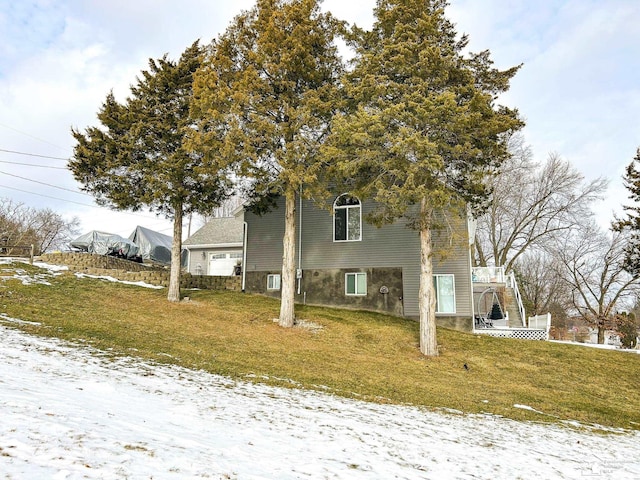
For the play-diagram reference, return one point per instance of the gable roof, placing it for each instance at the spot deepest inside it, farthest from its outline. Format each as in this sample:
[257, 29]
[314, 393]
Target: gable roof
[226, 231]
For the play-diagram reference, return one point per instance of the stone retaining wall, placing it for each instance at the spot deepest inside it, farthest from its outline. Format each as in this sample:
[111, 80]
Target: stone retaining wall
[102, 265]
[82, 261]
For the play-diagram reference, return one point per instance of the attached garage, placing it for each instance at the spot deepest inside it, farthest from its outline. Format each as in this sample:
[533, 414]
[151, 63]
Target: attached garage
[216, 249]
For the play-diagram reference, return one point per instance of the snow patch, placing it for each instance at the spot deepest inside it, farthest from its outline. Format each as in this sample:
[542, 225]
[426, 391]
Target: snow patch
[6, 318]
[51, 267]
[115, 280]
[527, 407]
[596, 345]
[27, 278]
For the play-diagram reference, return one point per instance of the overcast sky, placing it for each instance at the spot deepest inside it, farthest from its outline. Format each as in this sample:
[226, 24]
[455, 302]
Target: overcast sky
[578, 89]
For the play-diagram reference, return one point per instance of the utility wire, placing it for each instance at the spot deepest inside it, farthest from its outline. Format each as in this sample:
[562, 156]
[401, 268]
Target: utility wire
[32, 136]
[49, 196]
[32, 165]
[78, 203]
[43, 183]
[33, 155]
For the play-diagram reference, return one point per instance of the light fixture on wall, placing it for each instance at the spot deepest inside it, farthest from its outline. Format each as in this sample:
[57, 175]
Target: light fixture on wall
[204, 255]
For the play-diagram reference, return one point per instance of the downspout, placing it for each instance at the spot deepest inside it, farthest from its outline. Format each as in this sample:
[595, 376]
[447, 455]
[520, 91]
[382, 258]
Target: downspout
[473, 304]
[244, 254]
[471, 231]
[188, 259]
[299, 271]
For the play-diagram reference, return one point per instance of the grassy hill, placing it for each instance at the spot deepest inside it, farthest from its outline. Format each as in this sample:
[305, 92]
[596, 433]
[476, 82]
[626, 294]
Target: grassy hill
[350, 353]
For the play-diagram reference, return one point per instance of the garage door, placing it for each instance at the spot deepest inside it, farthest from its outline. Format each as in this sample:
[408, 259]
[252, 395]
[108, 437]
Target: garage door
[222, 264]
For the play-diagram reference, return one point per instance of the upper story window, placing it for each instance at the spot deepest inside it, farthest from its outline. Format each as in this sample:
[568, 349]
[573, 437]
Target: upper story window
[347, 219]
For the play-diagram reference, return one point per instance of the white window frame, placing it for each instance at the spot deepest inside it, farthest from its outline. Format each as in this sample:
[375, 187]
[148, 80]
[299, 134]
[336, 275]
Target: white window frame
[273, 281]
[347, 208]
[436, 286]
[346, 284]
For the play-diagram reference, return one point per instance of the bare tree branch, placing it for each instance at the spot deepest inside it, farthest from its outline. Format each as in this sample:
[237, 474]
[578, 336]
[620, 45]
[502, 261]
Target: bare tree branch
[592, 264]
[532, 204]
[45, 229]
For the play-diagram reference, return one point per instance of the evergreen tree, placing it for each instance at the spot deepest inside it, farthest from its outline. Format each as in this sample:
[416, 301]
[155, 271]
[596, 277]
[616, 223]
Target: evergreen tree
[424, 130]
[266, 95]
[627, 327]
[137, 157]
[632, 222]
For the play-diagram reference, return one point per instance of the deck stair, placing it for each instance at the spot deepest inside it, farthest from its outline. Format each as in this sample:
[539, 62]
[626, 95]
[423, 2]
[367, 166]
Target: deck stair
[511, 306]
[491, 285]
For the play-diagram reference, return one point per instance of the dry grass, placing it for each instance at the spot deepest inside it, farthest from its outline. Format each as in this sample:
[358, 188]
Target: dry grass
[351, 353]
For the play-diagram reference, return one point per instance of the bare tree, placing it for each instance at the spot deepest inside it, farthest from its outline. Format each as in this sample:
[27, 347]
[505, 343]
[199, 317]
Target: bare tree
[226, 209]
[53, 231]
[541, 288]
[44, 228]
[532, 204]
[592, 264]
[12, 215]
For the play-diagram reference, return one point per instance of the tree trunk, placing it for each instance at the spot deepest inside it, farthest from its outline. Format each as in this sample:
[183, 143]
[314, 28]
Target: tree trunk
[427, 294]
[478, 258]
[287, 311]
[601, 329]
[176, 260]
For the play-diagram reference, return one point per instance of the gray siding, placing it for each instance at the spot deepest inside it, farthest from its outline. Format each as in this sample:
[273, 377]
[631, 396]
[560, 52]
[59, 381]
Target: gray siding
[390, 246]
[195, 259]
[264, 240]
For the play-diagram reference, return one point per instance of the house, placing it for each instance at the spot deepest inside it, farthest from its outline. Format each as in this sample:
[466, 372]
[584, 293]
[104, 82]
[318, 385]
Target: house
[343, 261]
[216, 248]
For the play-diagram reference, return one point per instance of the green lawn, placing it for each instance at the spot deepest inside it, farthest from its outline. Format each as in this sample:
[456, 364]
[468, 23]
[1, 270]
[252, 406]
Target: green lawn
[350, 353]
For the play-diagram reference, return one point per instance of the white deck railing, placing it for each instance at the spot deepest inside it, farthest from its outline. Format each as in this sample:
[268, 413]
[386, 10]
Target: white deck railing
[498, 275]
[538, 329]
[488, 275]
[542, 322]
[511, 282]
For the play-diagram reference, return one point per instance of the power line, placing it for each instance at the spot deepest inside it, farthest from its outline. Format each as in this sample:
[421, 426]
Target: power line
[32, 136]
[33, 155]
[32, 165]
[78, 203]
[49, 196]
[44, 183]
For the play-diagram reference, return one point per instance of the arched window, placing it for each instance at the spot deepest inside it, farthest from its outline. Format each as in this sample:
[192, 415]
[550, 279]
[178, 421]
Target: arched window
[347, 219]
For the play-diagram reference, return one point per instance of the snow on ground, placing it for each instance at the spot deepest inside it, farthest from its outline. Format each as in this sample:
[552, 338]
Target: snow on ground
[71, 412]
[115, 280]
[25, 277]
[596, 345]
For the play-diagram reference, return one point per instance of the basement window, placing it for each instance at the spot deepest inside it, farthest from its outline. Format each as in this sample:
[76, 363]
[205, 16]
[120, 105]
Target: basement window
[445, 288]
[356, 284]
[273, 281]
